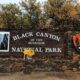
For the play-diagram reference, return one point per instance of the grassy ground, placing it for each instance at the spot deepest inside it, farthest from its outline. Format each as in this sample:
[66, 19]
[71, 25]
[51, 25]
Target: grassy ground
[41, 76]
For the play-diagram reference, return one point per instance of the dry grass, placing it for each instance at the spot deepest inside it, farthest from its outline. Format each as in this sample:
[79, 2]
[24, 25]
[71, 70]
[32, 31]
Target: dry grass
[41, 76]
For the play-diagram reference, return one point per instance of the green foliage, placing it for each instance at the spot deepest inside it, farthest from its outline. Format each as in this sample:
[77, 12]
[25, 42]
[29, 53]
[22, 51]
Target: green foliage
[9, 16]
[54, 14]
[32, 9]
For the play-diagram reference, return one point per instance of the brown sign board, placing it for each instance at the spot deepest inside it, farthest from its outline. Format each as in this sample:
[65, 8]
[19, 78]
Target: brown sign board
[42, 41]
[56, 49]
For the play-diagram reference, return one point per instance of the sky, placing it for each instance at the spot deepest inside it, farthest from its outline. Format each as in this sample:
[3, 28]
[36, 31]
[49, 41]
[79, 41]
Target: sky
[14, 1]
[17, 1]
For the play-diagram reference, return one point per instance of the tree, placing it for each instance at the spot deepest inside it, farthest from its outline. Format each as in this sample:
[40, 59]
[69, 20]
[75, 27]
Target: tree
[54, 9]
[32, 9]
[71, 9]
[9, 16]
[54, 14]
[62, 13]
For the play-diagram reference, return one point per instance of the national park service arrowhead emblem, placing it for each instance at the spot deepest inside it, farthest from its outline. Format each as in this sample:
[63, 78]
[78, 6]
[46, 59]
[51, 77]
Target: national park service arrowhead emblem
[76, 41]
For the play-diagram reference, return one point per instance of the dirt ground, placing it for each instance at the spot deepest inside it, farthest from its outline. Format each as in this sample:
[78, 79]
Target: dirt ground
[41, 76]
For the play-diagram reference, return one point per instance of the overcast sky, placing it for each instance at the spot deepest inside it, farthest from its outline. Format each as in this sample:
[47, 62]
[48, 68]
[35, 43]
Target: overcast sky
[14, 1]
[17, 1]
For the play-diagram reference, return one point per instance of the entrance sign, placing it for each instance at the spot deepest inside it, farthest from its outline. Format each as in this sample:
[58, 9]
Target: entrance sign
[52, 51]
[41, 41]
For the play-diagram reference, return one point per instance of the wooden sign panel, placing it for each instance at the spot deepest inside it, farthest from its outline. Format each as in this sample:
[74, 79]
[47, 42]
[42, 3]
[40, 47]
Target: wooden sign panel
[42, 41]
[58, 51]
